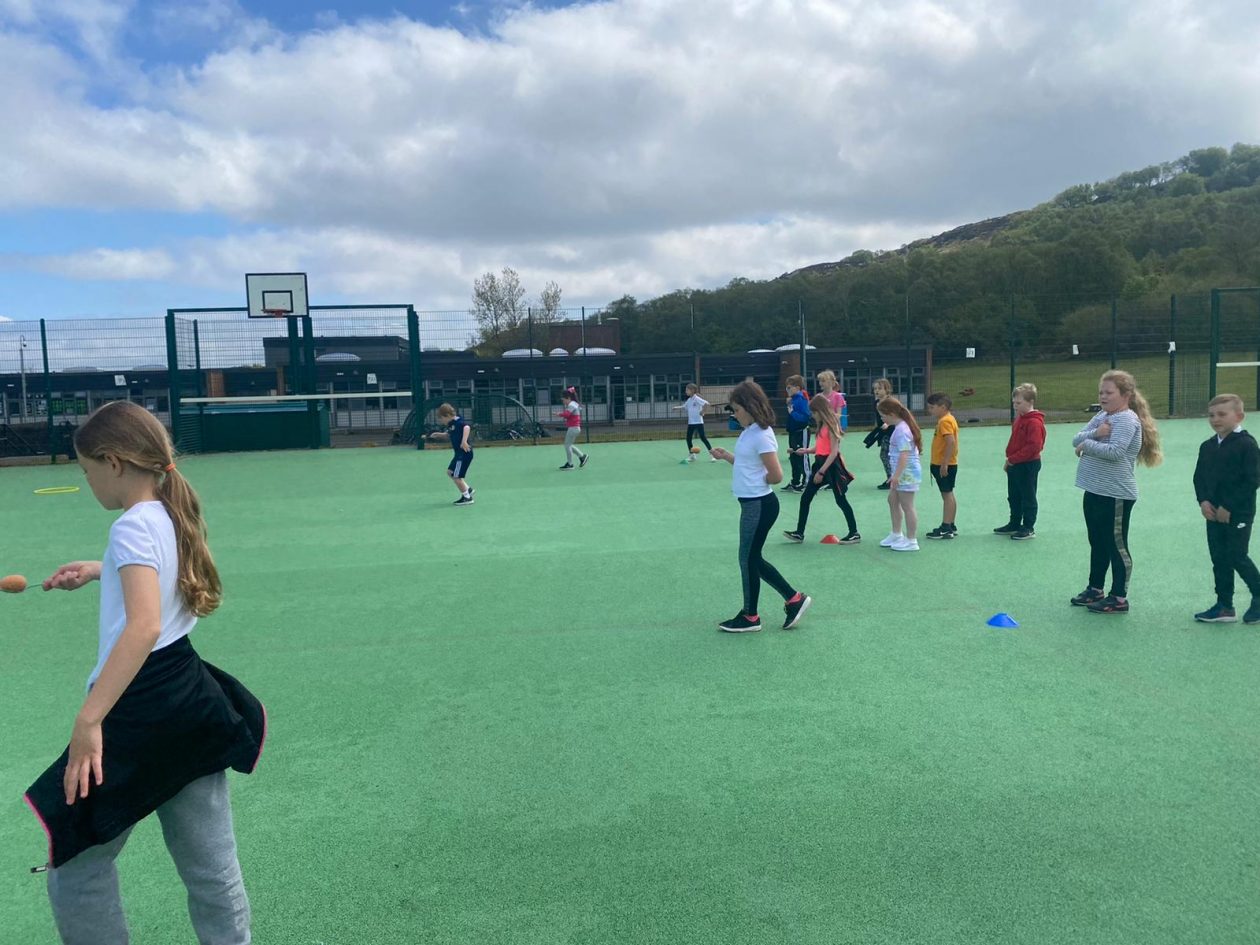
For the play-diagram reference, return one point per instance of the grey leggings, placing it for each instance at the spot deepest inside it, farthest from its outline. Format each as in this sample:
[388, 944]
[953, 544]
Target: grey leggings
[197, 827]
[570, 437]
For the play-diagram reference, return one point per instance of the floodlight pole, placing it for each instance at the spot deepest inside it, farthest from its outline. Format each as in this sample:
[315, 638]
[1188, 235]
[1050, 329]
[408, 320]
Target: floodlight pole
[22, 370]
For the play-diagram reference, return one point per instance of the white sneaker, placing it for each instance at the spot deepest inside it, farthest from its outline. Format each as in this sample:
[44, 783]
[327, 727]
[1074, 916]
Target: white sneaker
[713, 459]
[691, 458]
[892, 539]
[906, 544]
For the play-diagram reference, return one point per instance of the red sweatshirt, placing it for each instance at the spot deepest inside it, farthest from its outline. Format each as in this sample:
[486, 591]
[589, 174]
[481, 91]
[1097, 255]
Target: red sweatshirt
[1028, 436]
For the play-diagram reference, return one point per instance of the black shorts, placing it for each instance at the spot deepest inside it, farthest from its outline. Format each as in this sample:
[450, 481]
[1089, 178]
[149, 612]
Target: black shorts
[946, 484]
[458, 467]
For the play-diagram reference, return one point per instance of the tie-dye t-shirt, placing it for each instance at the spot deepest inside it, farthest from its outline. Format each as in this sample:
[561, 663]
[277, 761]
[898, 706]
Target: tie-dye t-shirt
[903, 441]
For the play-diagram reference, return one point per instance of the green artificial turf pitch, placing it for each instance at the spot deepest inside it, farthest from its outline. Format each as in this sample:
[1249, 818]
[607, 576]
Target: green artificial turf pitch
[518, 723]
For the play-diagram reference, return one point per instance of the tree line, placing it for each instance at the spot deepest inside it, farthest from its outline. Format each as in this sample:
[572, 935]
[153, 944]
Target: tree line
[1176, 228]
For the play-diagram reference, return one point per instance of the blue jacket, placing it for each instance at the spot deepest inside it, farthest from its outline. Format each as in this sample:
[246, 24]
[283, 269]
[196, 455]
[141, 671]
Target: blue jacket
[799, 416]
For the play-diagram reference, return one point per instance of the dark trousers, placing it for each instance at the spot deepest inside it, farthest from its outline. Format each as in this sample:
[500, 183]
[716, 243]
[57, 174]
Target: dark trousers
[692, 430]
[1227, 544]
[796, 440]
[756, 518]
[837, 480]
[1021, 493]
[1107, 523]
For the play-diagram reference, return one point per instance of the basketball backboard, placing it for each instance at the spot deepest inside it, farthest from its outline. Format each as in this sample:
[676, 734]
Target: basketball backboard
[276, 294]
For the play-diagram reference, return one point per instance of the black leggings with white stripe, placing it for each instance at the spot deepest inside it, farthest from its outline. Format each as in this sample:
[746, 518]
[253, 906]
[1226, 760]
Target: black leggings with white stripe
[1107, 523]
[756, 518]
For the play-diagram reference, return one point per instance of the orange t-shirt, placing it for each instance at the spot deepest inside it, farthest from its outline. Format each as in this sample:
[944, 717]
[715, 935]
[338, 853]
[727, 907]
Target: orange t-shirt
[946, 426]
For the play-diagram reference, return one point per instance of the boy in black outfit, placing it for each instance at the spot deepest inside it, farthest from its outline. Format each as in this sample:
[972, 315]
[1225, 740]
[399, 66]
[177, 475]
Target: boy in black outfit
[1225, 481]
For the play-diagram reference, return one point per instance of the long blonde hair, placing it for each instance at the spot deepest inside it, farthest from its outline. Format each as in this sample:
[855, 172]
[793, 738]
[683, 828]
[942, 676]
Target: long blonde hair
[820, 407]
[134, 436]
[1150, 453]
[891, 406]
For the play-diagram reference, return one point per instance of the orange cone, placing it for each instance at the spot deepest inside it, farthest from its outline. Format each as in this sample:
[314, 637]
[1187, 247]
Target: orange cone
[830, 540]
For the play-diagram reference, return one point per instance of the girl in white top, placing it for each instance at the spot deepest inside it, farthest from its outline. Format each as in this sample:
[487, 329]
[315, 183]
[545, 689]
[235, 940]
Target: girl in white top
[694, 405]
[757, 469]
[158, 727]
[904, 448]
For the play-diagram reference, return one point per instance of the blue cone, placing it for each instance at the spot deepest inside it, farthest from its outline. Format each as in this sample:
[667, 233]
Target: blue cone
[1006, 621]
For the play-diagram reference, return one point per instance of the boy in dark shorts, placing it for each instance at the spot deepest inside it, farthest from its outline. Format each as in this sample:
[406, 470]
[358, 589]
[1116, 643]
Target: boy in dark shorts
[944, 463]
[459, 432]
[1225, 481]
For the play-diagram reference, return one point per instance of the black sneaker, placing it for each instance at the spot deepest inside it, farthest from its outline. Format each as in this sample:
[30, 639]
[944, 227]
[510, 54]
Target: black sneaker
[463, 500]
[741, 623]
[851, 539]
[1087, 597]
[567, 466]
[885, 485]
[1253, 613]
[793, 612]
[1006, 530]
[792, 487]
[582, 461]
[794, 536]
[1023, 534]
[1108, 605]
[943, 533]
[1217, 613]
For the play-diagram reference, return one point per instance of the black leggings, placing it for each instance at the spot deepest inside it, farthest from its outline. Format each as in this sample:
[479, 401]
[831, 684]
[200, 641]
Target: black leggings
[692, 430]
[756, 518]
[1021, 493]
[1107, 523]
[837, 480]
[796, 440]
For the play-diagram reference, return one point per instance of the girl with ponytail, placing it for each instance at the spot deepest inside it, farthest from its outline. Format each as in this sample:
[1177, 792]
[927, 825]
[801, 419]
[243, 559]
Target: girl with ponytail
[1121, 435]
[158, 727]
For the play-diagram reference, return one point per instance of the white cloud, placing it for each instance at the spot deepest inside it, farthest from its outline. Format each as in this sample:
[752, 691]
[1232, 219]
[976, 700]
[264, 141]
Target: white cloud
[113, 265]
[625, 146]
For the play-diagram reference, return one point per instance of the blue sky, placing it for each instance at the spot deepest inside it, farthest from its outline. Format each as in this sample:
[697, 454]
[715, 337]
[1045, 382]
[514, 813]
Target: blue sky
[156, 151]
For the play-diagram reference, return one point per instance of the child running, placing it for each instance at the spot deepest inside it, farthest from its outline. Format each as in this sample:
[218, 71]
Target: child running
[881, 433]
[756, 470]
[828, 471]
[904, 447]
[159, 727]
[459, 432]
[572, 414]
[694, 405]
[1225, 481]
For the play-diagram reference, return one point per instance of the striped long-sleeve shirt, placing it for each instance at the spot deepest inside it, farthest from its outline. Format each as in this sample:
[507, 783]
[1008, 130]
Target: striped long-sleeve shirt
[1107, 466]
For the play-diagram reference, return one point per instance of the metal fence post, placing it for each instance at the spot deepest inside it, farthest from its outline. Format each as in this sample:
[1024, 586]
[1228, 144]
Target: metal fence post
[417, 382]
[800, 314]
[1012, 354]
[43, 343]
[197, 359]
[1215, 344]
[172, 377]
[1114, 323]
[586, 375]
[1172, 355]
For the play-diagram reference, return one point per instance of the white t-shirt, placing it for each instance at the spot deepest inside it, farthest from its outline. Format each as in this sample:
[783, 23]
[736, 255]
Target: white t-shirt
[749, 479]
[143, 535]
[695, 405]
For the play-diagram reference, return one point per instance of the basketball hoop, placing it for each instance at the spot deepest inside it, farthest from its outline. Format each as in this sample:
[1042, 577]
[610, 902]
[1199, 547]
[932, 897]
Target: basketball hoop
[277, 312]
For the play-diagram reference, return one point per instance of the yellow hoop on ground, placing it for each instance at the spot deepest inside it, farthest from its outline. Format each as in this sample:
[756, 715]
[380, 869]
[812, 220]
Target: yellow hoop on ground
[57, 490]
